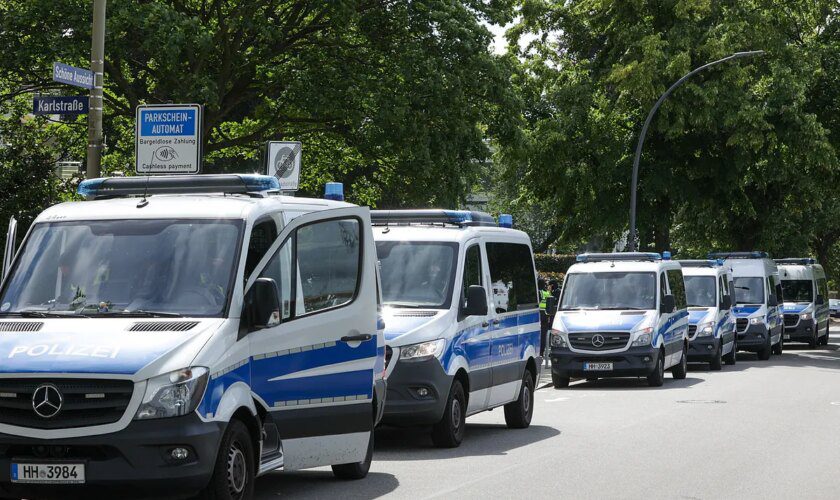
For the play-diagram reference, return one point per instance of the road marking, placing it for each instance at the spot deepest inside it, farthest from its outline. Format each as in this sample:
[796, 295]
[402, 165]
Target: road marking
[556, 399]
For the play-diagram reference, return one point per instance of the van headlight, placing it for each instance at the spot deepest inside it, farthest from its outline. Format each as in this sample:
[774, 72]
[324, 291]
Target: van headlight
[173, 394]
[705, 329]
[642, 337]
[558, 340]
[433, 348]
[806, 316]
[756, 320]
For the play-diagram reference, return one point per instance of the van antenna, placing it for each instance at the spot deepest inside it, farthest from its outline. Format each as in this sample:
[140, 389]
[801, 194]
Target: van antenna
[144, 201]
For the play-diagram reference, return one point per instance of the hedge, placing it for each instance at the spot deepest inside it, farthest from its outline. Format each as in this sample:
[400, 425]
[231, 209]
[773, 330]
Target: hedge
[553, 267]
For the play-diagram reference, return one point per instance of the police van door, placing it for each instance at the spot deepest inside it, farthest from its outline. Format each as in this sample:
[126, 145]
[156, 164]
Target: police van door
[313, 365]
[477, 333]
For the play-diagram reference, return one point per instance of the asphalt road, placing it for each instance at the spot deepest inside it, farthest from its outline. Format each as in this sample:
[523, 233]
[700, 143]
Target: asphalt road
[759, 429]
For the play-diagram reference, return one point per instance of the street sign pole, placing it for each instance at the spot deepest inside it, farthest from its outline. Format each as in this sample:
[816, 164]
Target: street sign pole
[97, 63]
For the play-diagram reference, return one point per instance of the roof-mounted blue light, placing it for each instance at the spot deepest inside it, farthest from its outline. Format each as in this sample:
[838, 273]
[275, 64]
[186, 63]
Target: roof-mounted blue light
[109, 187]
[739, 255]
[432, 216]
[255, 183]
[506, 220]
[334, 191]
[701, 263]
[666, 255]
[88, 188]
[801, 261]
[619, 256]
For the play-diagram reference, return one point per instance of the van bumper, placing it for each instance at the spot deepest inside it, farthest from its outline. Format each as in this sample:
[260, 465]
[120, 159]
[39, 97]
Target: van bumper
[753, 338]
[702, 348]
[131, 462]
[404, 405]
[634, 362]
[802, 332]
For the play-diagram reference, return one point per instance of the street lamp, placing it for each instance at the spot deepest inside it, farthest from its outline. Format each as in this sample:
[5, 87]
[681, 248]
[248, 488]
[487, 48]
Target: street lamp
[635, 180]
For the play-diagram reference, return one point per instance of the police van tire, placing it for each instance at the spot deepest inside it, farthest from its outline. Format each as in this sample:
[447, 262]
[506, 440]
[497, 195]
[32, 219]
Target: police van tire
[234, 472]
[780, 347]
[518, 414]
[680, 371]
[657, 378]
[716, 363]
[732, 357]
[559, 382]
[449, 432]
[764, 352]
[827, 331]
[814, 341]
[356, 470]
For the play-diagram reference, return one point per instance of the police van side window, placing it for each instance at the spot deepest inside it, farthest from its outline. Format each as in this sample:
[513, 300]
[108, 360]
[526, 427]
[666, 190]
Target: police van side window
[263, 235]
[279, 269]
[663, 288]
[822, 289]
[677, 285]
[512, 277]
[472, 270]
[329, 261]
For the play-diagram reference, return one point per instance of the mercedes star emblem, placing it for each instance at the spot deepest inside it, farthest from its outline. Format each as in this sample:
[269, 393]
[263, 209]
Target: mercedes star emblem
[598, 340]
[47, 401]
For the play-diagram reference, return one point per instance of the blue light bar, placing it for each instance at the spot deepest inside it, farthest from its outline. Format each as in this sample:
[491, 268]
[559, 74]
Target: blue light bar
[109, 187]
[505, 220]
[739, 255]
[334, 191]
[432, 216]
[619, 256]
[666, 255]
[801, 261]
[700, 263]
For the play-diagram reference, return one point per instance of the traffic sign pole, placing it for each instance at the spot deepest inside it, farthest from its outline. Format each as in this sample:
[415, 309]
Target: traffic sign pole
[97, 63]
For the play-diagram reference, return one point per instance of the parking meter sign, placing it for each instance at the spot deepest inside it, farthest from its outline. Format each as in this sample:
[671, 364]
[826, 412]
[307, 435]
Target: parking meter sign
[168, 139]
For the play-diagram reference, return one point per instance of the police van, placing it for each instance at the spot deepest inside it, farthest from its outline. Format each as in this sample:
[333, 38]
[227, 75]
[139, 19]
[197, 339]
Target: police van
[620, 315]
[711, 326]
[462, 319]
[757, 305]
[188, 334]
[805, 307]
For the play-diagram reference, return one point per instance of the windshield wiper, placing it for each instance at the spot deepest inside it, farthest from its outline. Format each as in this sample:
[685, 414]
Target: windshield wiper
[50, 314]
[407, 305]
[140, 313]
[621, 309]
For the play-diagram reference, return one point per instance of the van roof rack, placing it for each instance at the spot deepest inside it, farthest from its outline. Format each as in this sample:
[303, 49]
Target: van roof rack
[701, 262]
[802, 261]
[458, 218]
[619, 256]
[111, 187]
[739, 255]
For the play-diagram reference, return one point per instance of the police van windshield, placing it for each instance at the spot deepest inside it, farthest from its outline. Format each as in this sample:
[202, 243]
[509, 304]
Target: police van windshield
[609, 290]
[798, 290]
[126, 267]
[700, 291]
[749, 290]
[417, 274]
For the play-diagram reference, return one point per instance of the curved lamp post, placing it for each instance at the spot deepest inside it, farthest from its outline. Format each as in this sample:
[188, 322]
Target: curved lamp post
[634, 182]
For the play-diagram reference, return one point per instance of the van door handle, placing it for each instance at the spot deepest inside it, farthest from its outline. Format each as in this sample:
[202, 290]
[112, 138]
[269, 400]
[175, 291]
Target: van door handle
[485, 324]
[356, 338]
[496, 322]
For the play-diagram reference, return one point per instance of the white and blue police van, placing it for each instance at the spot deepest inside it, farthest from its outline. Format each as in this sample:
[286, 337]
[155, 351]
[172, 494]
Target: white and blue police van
[187, 334]
[462, 319]
[711, 325]
[757, 301]
[805, 306]
[620, 315]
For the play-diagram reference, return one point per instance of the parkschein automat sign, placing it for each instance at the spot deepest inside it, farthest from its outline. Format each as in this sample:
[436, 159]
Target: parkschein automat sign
[168, 139]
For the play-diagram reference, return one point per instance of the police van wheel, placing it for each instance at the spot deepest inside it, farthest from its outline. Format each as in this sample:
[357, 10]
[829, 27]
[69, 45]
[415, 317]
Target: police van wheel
[681, 370]
[518, 414]
[780, 347]
[559, 382]
[233, 475]
[357, 470]
[814, 342]
[827, 330]
[657, 378]
[716, 363]
[732, 357]
[449, 432]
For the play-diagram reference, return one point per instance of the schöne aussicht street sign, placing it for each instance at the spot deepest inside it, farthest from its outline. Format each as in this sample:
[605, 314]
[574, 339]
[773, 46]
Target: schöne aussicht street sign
[70, 75]
[168, 139]
[60, 105]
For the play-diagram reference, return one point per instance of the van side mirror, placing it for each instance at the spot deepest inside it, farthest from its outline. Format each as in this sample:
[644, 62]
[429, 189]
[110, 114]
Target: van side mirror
[551, 305]
[668, 304]
[726, 303]
[772, 301]
[476, 301]
[262, 306]
[820, 300]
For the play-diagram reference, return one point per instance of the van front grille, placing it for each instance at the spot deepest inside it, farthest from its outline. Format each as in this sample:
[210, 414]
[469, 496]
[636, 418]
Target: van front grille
[84, 402]
[741, 324]
[791, 319]
[599, 341]
[692, 329]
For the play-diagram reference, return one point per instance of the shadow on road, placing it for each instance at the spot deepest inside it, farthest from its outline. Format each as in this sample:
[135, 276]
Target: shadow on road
[632, 383]
[322, 484]
[480, 439]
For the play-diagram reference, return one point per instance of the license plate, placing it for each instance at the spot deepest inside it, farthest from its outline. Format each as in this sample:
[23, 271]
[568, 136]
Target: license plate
[55, 473]
[598, 367]
[787, 336]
